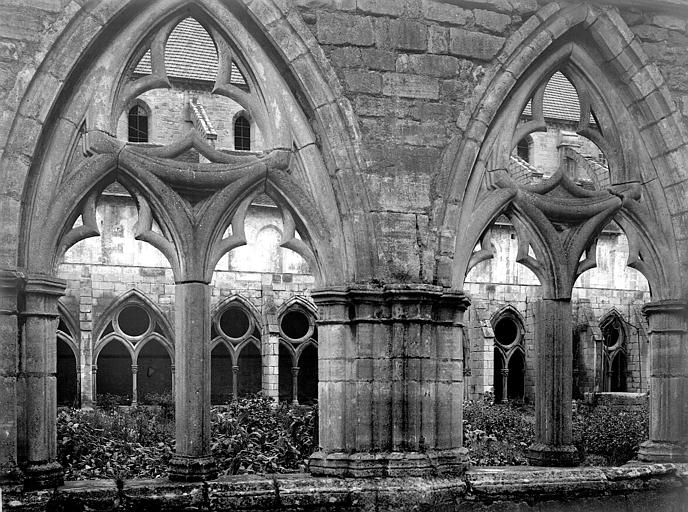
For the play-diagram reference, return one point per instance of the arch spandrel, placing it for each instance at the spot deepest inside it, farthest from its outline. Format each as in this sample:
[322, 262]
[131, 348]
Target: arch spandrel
[309, 89]
[596, 49]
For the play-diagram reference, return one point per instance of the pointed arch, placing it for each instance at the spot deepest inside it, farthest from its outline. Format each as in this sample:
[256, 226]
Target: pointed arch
[240, 300]
[155, 337]
[626, 90]
[135, 297]
[74, 86]
[68, 318]
[298, 301]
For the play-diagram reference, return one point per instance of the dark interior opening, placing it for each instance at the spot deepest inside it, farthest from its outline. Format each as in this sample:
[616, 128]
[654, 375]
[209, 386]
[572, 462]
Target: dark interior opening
[234, 322]
[295, 325]
[114, 372]
[133, 321]
[506, 331]
[250, 371]
[67, 377]
[308, 375]
[220, 375]
[154, 371]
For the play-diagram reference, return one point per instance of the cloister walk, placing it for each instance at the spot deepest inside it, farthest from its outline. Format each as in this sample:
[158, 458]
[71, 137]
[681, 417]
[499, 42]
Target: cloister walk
[390, 345]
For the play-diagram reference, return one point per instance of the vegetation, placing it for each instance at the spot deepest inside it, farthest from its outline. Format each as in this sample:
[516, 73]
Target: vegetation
[255, 435]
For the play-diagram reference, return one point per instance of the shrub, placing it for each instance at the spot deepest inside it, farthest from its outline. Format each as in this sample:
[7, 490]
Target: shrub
[497, 434]
[165, 401]
[613, 434]
[109, 402]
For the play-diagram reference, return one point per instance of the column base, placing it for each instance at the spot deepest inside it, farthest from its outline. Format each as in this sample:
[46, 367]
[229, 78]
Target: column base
[359, 465]
[659, 451]
[192, 469]
[554, 456]
[43, 475]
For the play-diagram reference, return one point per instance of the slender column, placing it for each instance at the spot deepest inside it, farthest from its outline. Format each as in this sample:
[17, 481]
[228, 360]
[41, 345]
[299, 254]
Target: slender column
[94, 380]
[505, 384]
[668, 382]
[295, 384]
[390, 381]
[174, 384]
[9, 283]
[37, 373]
[553, 370]
[134, 385]
[192, 460]
[235, 382]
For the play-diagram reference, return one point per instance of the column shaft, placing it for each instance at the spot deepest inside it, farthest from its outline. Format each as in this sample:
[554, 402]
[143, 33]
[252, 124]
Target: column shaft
[668, 383]
[37, 374]
[295, 384]
[390, 381]
[8, 373]
[553, 373]
[192, 460]
[134, 385]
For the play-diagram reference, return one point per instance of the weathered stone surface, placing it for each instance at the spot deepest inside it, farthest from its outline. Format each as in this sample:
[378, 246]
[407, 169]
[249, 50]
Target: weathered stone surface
[446, 13]
[385, 7]
[363, 81]
[438, 39]
[491, 21]
[345, 29]
[408, 35]
[476, 45]
[410, 86]
[432, 65]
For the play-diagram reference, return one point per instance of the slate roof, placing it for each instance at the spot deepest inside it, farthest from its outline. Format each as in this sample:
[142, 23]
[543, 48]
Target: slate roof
[561, 100]
[190, 54]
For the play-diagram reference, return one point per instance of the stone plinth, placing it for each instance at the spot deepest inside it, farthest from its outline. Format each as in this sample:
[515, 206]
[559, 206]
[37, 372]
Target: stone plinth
[668, 382]
[38, 435]
[390, 381]
[192, 460]
[554, 363]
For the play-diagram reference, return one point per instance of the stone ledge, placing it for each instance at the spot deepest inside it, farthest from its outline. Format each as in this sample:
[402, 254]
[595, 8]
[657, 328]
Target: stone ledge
[658, 486]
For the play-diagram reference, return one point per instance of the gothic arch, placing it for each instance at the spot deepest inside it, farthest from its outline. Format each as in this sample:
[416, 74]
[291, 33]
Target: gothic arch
[135, 297]
[301, 302]
[624, 88]
[107, 36]
[243, 302]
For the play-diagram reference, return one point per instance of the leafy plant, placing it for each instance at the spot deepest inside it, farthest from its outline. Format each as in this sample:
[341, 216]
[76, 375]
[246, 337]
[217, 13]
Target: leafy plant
[109, 402]
[612, 434]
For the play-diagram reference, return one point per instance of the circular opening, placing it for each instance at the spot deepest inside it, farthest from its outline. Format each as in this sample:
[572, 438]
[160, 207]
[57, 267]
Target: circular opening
[611, 335]
[133, 321]
[234, 322]
[295, 325]
[506, 331]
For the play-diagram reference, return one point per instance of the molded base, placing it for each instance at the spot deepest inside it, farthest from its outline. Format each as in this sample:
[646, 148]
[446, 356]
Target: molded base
[43, 475]
[440, 462]
[657, 451]
[192, 469]
[553, 456]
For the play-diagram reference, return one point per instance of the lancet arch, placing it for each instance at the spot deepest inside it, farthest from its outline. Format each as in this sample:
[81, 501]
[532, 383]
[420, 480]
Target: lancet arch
[615, 85]
[304, 86]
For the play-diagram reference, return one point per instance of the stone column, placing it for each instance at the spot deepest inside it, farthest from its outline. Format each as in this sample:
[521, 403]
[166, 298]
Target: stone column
[295, 384]
[235, 382]
[668, 382]
[505, 384]
[192, 460]
[390, 381]
[553, 371]
[134, 385]
[94, 380]
[9, 283]
[37, 375]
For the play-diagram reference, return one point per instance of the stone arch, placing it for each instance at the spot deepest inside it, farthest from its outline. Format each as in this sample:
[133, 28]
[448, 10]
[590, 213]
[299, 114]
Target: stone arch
[135, 297]
[169, 348]
[298, 301]
[245, 305]
[283, 39]
[74, 339]
[611, 55]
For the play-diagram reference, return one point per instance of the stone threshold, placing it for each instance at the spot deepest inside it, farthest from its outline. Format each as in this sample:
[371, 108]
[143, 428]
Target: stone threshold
[659, 486]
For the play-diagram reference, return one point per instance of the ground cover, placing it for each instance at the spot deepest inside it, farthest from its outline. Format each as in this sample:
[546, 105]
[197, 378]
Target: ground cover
[254, 435]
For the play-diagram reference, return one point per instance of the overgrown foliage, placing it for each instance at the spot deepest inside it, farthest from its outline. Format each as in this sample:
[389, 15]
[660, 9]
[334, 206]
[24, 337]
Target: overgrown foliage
[607, 436]
[497, 434]
[253, 435]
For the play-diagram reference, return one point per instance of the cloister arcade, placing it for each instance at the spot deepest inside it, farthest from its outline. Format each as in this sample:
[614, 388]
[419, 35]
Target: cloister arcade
[383, 334]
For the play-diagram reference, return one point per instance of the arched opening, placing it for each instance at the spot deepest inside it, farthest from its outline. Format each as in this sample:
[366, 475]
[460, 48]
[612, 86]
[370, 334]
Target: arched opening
[67, 378]
[498, 379]
[295, 325]
[221, 379]
[154, 374]
[235, 322]
[242, 134]
[506, 331]
[618, 373]
[133, 320]
[523, 148]
[114, 372]
[308, 375]
[250, 370]
[516, 377]
[137, 124]
[286, 387]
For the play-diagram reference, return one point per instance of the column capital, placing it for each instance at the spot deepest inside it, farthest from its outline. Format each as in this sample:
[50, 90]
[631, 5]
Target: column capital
[43, 284]
[667, 307]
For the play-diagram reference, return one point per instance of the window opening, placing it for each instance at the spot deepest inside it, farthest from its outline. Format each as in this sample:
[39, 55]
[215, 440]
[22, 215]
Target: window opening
[234, 322]
[295, 325]
[242, 134]
[133, 321]
[138, 124]
[67, 379]
[154, 374]
[250, 371]
[114, 372]
[221, 389]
